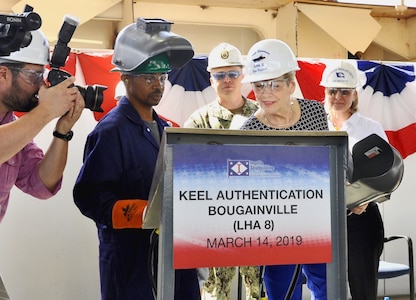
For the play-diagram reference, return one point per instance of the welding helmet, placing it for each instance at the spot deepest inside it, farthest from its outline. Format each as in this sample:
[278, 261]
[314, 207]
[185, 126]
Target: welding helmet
[377, 171]
[147, 38]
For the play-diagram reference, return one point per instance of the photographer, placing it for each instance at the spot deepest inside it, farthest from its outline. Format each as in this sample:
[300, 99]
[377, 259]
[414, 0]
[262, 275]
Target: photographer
[22, 89]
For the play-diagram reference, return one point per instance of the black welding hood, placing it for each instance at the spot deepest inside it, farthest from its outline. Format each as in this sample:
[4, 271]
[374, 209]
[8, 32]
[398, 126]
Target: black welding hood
[146, 38]
[377, 171]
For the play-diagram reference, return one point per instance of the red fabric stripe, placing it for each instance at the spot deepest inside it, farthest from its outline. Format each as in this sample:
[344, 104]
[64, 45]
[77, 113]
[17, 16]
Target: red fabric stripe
[309, 78]
[404, 139]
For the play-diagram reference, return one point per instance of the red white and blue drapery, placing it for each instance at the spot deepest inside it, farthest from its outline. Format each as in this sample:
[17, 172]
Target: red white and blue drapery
[387, 91]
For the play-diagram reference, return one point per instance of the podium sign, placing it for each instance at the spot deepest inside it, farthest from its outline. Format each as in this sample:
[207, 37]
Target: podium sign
[250, 205]
[235, 197]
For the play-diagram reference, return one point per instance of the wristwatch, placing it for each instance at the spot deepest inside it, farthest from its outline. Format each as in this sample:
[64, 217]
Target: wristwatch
[67, 137]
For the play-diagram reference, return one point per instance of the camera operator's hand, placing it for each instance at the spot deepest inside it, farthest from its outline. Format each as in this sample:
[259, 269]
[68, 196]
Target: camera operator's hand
[59, 99]
[68, 104]
[67, 121]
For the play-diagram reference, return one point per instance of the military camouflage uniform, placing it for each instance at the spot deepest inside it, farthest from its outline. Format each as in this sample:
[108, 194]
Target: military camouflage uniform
[218, 284]
[214, 116]
[219, 281]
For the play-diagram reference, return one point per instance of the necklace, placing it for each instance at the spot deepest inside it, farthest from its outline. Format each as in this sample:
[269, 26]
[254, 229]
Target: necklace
[337, 122]
[292, 114]
[336, 126]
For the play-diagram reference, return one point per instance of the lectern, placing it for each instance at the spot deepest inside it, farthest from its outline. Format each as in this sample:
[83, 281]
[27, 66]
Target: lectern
[238, 198]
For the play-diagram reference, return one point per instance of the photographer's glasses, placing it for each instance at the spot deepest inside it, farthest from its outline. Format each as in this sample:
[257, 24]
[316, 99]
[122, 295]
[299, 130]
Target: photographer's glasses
[229, 74]
[30, 76]
[151, 79]
[274, 85]
[343, 91]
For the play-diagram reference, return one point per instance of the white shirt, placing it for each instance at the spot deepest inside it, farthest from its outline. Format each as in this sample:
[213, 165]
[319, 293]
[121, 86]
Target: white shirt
[359, 127]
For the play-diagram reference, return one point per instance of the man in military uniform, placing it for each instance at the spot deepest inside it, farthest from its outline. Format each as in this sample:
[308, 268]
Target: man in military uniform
[225, 64]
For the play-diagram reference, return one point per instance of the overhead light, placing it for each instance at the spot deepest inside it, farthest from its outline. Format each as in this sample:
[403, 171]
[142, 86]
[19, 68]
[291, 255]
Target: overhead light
[400, 8]
[371, 2]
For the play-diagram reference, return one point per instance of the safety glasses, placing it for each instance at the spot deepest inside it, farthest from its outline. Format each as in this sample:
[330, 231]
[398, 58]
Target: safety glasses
[151, 79]
[273, 85]
[30, 76]
[343, 91]
[229, 74]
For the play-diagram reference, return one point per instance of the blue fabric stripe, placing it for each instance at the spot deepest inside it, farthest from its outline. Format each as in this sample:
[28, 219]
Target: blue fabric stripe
[388, 79]
[193, 76]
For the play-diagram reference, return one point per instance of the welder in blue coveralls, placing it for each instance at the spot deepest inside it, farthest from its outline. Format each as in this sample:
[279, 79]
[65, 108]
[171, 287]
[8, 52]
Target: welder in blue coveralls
[119, 161]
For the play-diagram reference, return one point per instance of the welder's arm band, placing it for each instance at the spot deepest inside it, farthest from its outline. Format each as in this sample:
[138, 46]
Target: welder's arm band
[128, 213]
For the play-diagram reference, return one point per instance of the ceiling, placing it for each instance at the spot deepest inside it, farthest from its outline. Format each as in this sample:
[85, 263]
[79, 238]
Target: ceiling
[120, 11]
[376, 10]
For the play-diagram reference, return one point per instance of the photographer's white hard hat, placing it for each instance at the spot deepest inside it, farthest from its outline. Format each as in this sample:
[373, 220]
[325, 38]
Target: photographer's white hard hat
[37, 52]
[341, 75]
[268, 59]
[224, 55]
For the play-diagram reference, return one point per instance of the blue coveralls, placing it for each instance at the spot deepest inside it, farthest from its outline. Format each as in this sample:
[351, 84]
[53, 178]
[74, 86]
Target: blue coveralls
[119, 161]
[277, 278]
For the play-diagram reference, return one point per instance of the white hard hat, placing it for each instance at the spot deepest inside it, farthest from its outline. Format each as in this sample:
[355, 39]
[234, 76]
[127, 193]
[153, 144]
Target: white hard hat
[342, 75]
[224, 55]
[37, 52]
[268, 59]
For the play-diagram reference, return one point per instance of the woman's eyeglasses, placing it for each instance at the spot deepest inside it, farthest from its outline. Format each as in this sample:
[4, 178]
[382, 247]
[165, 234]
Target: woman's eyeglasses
[273, 85]
[229, 74]
[30, 76]
[343, 91]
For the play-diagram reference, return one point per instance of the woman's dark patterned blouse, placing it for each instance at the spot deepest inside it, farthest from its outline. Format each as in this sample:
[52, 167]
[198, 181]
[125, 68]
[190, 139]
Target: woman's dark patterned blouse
[313, 118]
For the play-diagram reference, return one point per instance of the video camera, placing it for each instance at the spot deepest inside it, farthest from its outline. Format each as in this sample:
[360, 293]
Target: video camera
[15, 30]
[93, 95]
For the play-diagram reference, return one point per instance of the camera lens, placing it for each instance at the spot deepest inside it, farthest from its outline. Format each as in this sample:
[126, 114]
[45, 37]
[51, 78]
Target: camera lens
[93, 96]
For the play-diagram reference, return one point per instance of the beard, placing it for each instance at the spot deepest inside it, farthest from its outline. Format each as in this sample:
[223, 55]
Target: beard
[17, 99]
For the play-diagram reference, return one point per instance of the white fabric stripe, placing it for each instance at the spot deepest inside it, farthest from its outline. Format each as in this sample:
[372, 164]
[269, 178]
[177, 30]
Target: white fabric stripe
[394, 112]
[177, 105]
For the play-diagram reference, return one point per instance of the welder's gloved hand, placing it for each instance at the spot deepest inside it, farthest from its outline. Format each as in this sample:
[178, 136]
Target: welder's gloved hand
[128, 213]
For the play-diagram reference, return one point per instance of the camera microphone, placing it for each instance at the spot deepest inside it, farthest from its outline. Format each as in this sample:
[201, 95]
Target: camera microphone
[62, 50]
[15, 30]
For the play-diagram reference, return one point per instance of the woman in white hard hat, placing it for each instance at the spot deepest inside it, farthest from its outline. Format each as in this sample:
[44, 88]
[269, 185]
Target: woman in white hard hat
[364, 223]
[271, 67]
